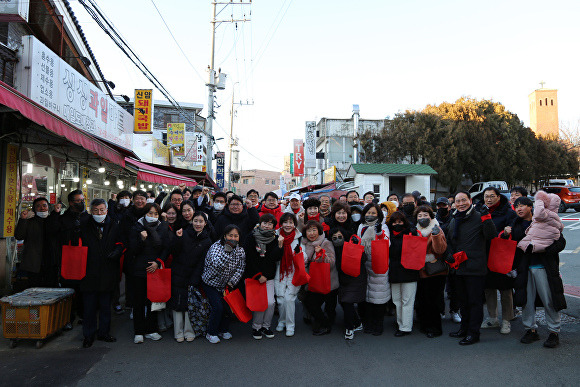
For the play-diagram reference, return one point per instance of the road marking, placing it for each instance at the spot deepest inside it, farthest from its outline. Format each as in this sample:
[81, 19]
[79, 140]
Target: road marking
[572, 219]
[577, 250]
[567, 252]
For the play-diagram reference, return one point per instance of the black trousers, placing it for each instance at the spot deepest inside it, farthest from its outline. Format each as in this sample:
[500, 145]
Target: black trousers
[427, 303]
[94, 302]
[374, 316]
[314, 301]
[470, 289]
[454, 303]
[351, 318]
[144, 321]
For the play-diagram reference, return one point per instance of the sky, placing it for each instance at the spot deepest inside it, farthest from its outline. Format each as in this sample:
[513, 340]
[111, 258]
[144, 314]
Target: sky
[302, 60]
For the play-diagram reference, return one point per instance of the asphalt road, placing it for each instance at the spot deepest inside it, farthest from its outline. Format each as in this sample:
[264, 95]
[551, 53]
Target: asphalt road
[570, 257]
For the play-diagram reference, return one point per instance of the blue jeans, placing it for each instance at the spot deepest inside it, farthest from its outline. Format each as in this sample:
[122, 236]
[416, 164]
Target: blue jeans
[93, 302]
[219, 320]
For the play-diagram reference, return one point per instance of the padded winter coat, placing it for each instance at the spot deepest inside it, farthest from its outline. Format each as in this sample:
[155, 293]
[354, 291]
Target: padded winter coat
[546, 225]
[378, 287]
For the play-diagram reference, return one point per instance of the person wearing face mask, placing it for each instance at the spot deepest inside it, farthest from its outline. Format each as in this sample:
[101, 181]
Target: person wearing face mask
[356, 215]
[394, 198]
[378, 291]
[38, 263]
[388, 209]
[189, 249]
[352, 290]
[172, 216]
[149, 244]
[264, 249]
[117, 208]
[224, 267]
[430, 287]
[219, 203]
[104, 248]
[443, 215]
[408, 207]
[352, 198]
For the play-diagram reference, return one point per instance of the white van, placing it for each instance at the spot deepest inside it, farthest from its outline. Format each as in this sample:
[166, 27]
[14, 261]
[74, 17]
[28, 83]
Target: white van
[479, 187]
[560, 182]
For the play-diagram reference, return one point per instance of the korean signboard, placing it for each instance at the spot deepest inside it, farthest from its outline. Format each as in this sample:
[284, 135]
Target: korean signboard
[56, 86]
[143, 110]
[199, 148]
[11, 195]
[310, 145]
[220, 166]
[298, 158]
[176, 138]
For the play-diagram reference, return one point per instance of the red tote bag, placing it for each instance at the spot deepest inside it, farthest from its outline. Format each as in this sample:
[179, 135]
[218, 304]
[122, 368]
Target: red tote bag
[351, 257]
[414, 252]
[159, 285]
[256, 294]
[319, 275]
[380, 254]
[501, 255]
[238, 305]
[74, 261]
[301, 277]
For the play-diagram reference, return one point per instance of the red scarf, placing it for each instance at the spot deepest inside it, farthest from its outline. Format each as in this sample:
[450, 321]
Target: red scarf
[287, 261]
[494, 207]
[325, 227]
[395, 232]
[295, 211]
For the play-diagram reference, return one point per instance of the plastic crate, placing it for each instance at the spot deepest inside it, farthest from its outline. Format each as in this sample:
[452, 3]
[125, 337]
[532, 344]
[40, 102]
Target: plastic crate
[36, 313]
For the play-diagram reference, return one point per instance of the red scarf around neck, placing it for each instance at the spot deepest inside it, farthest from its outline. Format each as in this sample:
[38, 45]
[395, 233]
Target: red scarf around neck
[325, 227]
[288, 254]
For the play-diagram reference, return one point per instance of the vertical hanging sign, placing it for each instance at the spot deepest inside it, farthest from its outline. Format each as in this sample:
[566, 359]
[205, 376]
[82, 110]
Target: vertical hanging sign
[10, 195]
[298, 157]
[292, 164]
[176, 137]
[143, 110]
[220, 158]
[310, 145]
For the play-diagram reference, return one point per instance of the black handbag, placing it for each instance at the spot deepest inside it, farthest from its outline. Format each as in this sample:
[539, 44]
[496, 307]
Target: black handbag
[437, 267]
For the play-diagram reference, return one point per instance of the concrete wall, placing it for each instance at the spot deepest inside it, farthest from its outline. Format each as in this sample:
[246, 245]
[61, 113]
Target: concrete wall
[365, 183]
[421, 183]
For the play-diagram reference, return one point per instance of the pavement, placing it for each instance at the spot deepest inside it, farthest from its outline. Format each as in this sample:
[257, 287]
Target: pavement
[498, 360]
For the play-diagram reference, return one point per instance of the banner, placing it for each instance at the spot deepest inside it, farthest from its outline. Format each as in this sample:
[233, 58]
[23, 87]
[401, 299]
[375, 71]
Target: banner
[329, 175]
[143, 110]
[10, 194]
[292, 164]
[298, 158]
[220, 158]
[310, 145]
[176, 138]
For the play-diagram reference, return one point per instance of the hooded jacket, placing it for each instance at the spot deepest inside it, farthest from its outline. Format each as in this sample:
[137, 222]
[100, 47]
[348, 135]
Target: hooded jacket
[246, 220]
[546, 225]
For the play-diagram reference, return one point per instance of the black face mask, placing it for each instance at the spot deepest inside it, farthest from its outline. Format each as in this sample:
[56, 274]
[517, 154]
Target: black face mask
[398, 227]
[337, 242]
[370, 218]
[408, 208]
[79, 207]
[352, 203]
[442, 212]
[424, 222]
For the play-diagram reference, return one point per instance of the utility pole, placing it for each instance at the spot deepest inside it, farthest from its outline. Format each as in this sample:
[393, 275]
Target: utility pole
[213, 84]
[232, 142]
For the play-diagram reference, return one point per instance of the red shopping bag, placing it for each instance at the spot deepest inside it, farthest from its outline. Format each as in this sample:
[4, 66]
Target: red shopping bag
[74, 261]
[159, 285]
[414, 252]
[380, 254]
[319, 275]
[238, 305]
[301, 277]
[501, 255]
[459, 257]
[351, 257]
[256, 294]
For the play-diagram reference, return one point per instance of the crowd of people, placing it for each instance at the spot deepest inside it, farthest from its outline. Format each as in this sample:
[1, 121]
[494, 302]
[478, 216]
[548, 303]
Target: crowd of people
[213, 242]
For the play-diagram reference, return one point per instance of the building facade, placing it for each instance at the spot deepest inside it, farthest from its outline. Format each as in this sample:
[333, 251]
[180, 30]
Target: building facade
[544, 112]
[261, 180]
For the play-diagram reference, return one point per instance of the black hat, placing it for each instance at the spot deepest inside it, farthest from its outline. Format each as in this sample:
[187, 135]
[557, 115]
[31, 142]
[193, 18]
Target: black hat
[443, 200]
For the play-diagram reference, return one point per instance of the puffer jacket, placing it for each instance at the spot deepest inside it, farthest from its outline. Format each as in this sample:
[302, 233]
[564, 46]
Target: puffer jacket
[546, 224]
[222, 267]
[378, 287]
[310, 256]
[246, 220]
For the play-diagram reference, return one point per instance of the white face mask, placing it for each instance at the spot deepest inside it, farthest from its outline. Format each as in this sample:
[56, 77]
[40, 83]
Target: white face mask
[385, 214]
[396, 203]
[150, 219]
[218, 206]
[99, 218]
[42, 214]
[125, 202]
[356, 217]
[150, 200]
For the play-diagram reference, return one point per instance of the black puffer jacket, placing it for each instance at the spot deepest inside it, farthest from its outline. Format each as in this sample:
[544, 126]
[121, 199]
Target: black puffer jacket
[189, 253]
[352, 289]
[397, 273]
[154, 248]
[472, 237]
[40, 250]
[103, 255]
[257, 264]
[246, 220]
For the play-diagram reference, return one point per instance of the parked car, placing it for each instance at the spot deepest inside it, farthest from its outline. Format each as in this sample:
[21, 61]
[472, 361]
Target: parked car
[570, 197]
[560, 182]
[478, 198]
[477, 188]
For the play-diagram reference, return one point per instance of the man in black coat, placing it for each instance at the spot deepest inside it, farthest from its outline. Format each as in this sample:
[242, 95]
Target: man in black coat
[244, 216]
[101, 236]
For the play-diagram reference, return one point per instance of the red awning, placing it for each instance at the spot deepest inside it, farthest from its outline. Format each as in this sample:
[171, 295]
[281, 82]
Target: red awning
[156, 175]
[38, 114]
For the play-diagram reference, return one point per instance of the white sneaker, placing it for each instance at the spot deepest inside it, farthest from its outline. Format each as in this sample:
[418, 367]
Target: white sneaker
[280, 327]
[456, 317]
[289, 333]
[225, 335]
[359, 328]
[506, 327]
[349, 334]
[490, 323]
[190, 339]
[138, 339]
[212, 339]
[153, 336]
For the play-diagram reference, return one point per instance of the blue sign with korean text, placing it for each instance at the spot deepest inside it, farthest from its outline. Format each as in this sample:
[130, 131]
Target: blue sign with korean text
[220, 169]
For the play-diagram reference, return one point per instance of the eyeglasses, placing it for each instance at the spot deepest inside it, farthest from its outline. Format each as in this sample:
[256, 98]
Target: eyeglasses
[235, 204]
[490, 197]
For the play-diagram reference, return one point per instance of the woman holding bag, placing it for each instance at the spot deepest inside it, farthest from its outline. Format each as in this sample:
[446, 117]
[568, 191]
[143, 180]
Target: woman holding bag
[351, 290]
[319, 249]
[431, 278]
[150, 246]
[264, 249]
[378, 291]
[189, 250]
[403, 281]
[224, 266]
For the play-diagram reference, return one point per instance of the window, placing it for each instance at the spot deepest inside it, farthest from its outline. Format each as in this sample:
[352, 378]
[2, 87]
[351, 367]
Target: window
[376, 188]
[546, 101]
[170, 119]
[245, 181]
[552, 102]
[540, 102]
[267, 181]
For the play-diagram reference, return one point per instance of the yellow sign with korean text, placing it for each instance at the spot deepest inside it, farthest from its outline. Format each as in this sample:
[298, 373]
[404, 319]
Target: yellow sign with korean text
[329, 175]
[176, 138]
[160, 153]
[10, 194]
[143, 110]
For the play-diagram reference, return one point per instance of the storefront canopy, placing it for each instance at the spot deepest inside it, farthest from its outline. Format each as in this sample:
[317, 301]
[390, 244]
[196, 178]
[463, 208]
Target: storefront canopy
[13, 99]
[152, 174]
